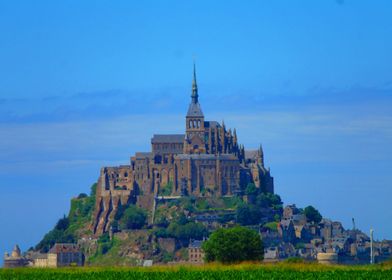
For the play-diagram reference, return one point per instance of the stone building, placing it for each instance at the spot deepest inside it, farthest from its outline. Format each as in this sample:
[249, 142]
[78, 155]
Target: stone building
[195, 252]
[207, 160]
[60, 255]
[15, 259]
[286, 231]
[45, 260]
[67, 254]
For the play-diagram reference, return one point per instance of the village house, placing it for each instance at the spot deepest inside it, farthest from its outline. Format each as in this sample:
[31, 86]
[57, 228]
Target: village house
[60, 255]
[286, 231]
[195, 252]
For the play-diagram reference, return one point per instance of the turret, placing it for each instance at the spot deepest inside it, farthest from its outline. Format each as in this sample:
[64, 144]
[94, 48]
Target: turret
[260, 156]
[235, 136]
[16, 252]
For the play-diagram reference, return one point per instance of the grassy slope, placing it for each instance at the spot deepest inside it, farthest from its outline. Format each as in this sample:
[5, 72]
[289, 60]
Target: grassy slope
[78, 220]
[212, 271]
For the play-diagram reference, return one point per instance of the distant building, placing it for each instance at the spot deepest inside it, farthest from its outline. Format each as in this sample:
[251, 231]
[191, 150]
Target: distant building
[60, 255]
[327, 258]
[45, 260]
[286, 231]
[67, 254]
[289, 211]
[195, 252]
[271, 254]
[15, 259]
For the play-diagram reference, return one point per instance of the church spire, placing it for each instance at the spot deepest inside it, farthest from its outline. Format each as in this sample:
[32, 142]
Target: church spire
[195, 95]
[260, 154]
[194, 109]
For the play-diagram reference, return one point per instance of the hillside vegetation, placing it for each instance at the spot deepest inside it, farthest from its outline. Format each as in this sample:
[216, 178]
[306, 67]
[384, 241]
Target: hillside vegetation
[70, 228]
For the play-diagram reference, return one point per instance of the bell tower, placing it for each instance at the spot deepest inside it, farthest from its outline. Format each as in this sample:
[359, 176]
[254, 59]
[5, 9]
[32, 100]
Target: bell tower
[194, 123]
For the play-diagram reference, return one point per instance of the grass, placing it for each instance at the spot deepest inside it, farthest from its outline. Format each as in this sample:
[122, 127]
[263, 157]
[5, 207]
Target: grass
[210, 271]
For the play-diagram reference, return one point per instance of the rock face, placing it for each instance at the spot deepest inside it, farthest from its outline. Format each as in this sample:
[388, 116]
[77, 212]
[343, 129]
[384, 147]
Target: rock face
[205, 161]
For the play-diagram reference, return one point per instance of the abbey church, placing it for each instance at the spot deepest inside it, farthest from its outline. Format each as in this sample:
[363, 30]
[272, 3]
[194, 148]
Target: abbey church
[205, 161]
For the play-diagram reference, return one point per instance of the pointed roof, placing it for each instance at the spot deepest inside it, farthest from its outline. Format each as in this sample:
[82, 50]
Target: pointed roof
[194, 109]
[16, 253]
[195, 95]
[261, 152]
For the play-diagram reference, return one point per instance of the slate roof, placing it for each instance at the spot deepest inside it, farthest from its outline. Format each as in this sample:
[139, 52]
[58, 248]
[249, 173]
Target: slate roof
[212, 124]
[64, 248]
[194, 110]
[195, 243]
[167, 138]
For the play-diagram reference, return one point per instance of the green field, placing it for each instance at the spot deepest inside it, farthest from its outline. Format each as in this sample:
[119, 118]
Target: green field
[244, 271]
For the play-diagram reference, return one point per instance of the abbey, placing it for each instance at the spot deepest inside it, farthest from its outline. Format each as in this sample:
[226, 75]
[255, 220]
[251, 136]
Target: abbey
[205, 161]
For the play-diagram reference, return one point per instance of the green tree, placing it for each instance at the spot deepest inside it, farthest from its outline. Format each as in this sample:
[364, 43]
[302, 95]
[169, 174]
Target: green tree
[52, 237]
[65, 230]
[269, 200]
[312, 214]
[185, 232]
[248, 214]
[251, 189]
[233, 245]
[182, 219]
[272, 226]
[133, 218]
[62, 224]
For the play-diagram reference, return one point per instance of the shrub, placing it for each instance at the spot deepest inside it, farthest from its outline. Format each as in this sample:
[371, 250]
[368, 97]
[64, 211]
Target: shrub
[251, 189]
[294, 260]
[248, 215]
[269, 200]
[82, 195]
[272, 226]
[185, 232]
[312, 214]
[133, 217]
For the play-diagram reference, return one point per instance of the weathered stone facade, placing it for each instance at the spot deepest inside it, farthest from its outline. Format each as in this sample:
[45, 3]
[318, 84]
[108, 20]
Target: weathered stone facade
[205, 161]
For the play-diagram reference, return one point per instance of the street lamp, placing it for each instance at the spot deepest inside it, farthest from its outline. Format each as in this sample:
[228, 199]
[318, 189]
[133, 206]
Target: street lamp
[371, 247]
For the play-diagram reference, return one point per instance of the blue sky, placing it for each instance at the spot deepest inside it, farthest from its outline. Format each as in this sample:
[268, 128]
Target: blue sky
[84, 84]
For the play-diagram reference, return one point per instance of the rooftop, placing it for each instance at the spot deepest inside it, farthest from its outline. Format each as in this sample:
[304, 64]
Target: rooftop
[195, 243]
[64, 248]
[167, 138]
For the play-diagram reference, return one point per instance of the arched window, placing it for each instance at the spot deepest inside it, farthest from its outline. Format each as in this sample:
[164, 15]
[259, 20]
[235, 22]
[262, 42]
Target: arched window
[199, 124]
[194, 123]
[190, 124]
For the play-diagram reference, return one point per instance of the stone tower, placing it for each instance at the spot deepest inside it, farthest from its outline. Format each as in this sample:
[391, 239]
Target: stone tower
[194, 142]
